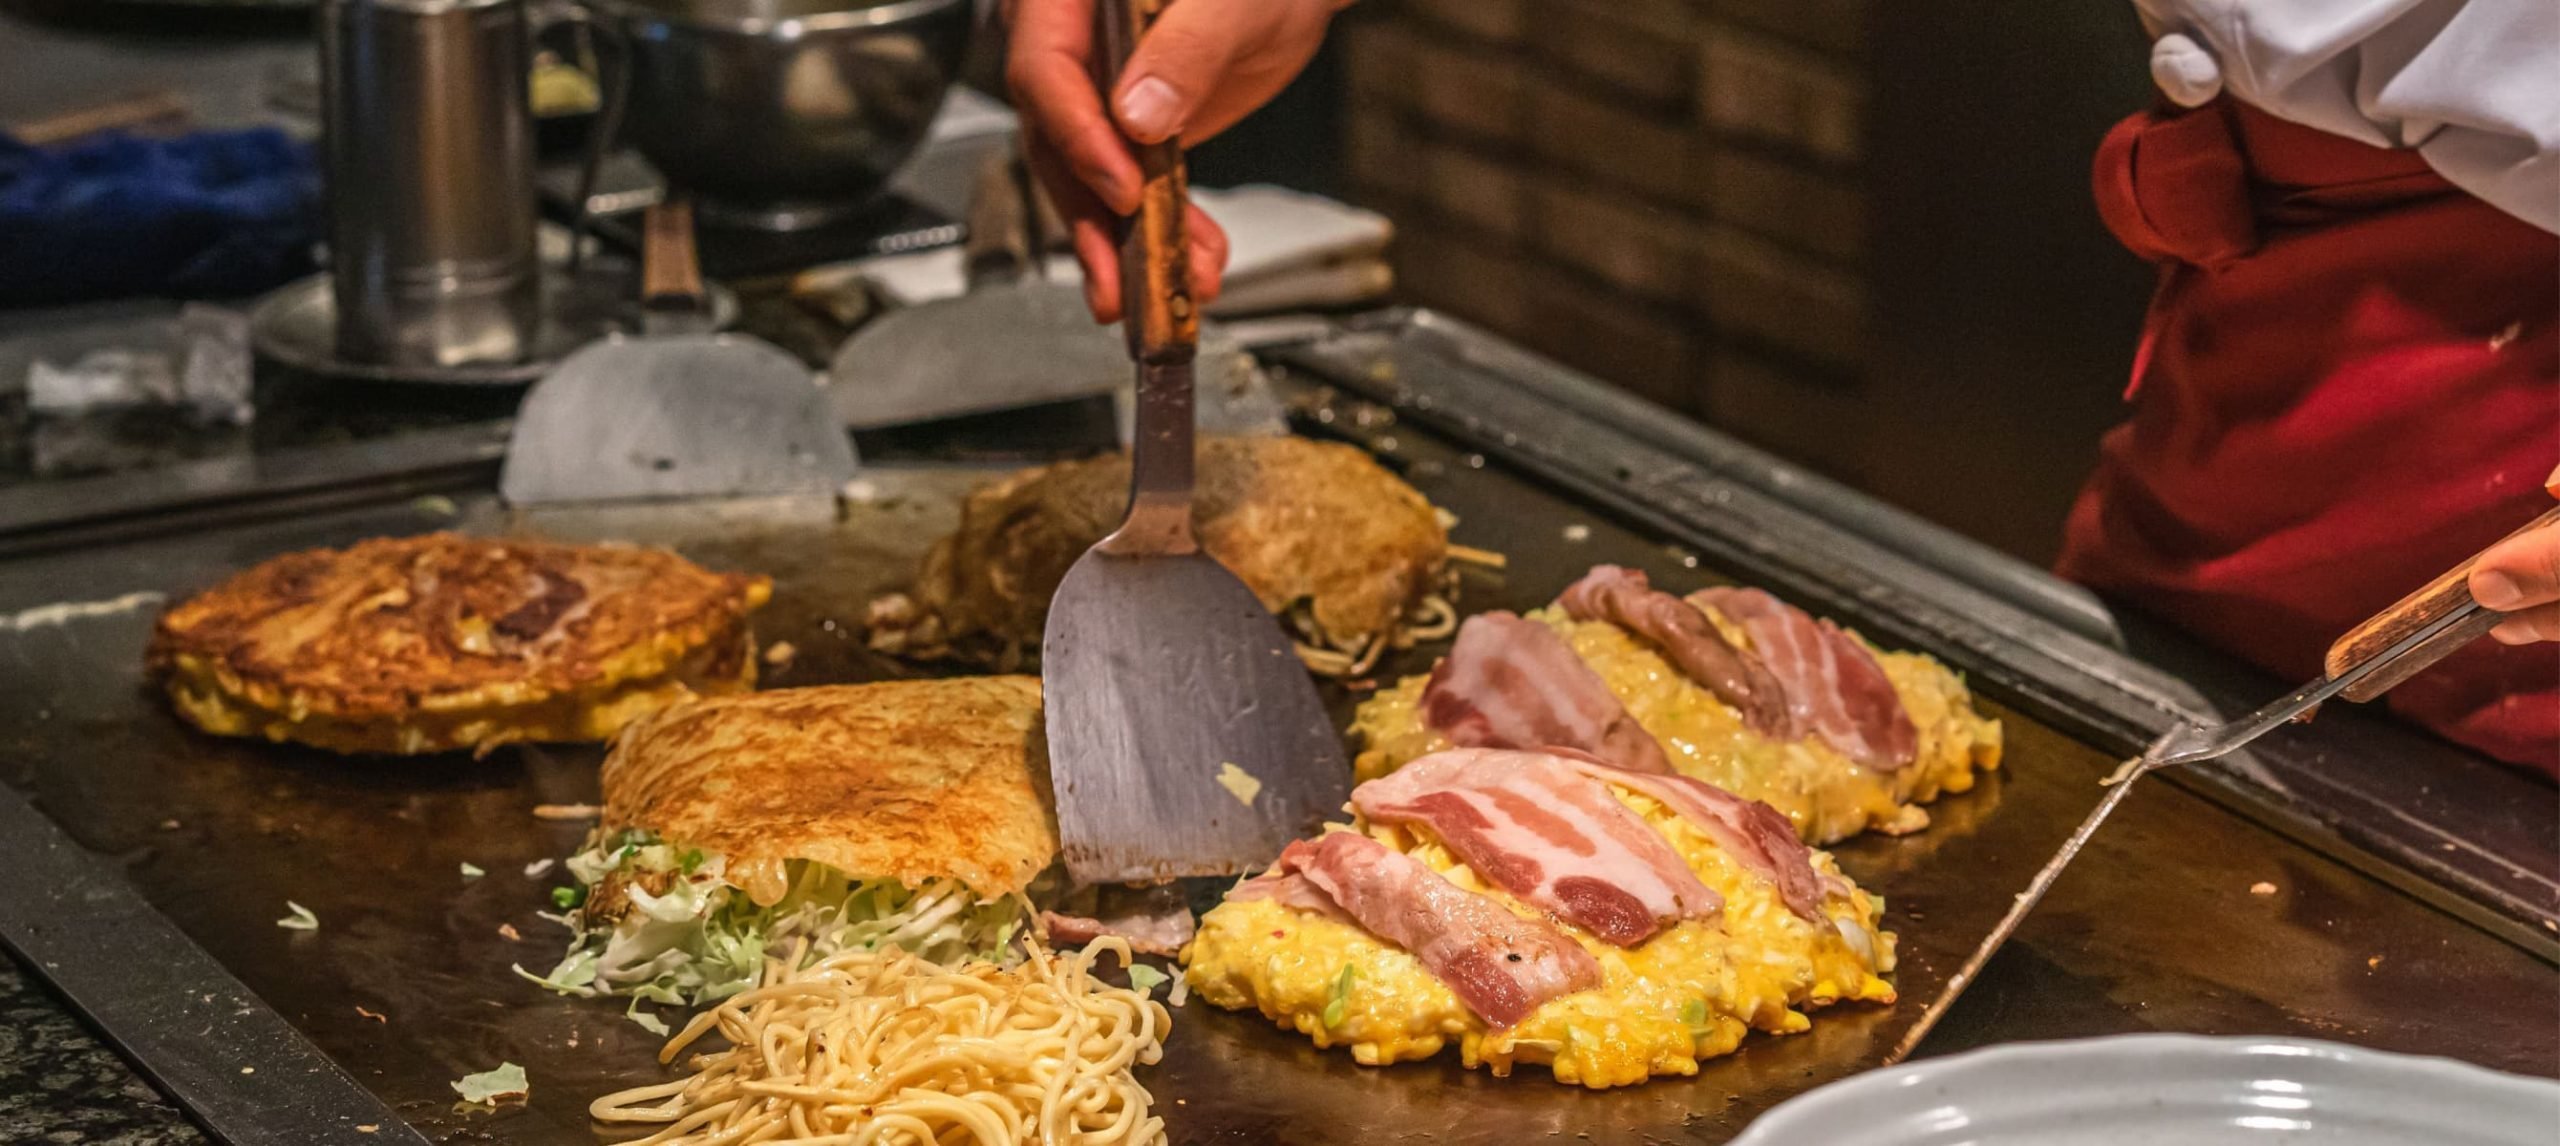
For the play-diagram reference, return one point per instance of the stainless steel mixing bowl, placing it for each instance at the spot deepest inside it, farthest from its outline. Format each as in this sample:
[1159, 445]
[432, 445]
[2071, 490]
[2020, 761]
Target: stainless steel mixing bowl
[784, 113]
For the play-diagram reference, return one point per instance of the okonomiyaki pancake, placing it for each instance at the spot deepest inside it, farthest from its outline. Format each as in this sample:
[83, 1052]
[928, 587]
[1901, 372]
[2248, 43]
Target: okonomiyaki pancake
[426, 644]
[1729, 686]
[1546, 909]
[1343, 550]
[739, 830]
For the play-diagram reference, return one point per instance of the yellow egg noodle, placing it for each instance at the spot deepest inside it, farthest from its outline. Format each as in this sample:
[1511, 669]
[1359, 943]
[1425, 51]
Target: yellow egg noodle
[880, 1048]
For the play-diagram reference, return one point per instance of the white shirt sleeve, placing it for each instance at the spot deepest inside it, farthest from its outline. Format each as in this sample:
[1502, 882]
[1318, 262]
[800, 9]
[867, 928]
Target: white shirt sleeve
[2472, 85]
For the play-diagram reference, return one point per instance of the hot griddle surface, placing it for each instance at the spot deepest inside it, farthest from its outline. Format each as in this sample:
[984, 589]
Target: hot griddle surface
[218, 834]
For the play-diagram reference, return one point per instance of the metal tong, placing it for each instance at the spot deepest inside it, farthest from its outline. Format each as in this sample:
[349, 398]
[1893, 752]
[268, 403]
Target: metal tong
[2391, 646]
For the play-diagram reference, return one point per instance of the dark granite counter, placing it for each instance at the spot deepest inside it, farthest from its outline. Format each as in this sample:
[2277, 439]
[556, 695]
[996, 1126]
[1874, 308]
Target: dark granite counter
[60, 1085]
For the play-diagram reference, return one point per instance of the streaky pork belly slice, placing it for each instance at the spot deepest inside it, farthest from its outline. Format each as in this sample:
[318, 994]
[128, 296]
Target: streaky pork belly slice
[1510, 682]
[1625, 598]
[1537, 827]
[1291, 889]
[1833, 684]
[1500, 964]
[1760, 836]
[1155, 920]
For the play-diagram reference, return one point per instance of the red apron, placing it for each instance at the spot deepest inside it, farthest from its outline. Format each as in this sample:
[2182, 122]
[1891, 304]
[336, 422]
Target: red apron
[2349, 382]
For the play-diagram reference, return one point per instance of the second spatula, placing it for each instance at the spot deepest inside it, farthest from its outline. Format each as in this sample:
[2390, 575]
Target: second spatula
[1185, 736]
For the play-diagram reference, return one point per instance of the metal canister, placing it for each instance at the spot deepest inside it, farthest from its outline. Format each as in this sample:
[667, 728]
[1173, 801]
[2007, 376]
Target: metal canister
[429, 149]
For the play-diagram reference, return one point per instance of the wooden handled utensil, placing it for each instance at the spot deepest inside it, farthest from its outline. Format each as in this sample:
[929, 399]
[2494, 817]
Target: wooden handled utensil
[671, 271]
[1012, 341]
[679, 411]
[1185, 737]
[2389, 647]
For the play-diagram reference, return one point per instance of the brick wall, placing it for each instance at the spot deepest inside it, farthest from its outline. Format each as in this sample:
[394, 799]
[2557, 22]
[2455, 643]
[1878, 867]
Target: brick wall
[1668, 194]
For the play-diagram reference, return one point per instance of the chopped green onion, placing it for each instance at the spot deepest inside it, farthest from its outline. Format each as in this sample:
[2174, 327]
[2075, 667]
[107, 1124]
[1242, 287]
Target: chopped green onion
[1340, 1002]
[1693, 1015]
[565, 898]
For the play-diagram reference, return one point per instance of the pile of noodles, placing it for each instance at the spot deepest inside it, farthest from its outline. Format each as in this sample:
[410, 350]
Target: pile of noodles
[867, 1047]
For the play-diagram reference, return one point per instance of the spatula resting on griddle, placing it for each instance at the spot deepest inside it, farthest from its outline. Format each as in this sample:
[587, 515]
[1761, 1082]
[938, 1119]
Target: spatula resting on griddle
[1185, 737]
[1011, 341]
[1015, 341]
[678, 412]
[2389, 647]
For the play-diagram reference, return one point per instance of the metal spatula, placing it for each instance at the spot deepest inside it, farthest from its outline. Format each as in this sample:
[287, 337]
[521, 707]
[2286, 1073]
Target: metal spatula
[1015, 341]
[1012, 341]
[2389, 647]
[1185, 737]
[679, 411]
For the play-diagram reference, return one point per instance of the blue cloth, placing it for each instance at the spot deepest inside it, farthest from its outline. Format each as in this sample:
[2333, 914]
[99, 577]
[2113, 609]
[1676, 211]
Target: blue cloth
[211, 214]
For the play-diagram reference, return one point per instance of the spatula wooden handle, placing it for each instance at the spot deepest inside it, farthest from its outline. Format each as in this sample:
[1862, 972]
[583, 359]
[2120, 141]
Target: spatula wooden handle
[1155, 280]
[999, 247]
[670, 275]
[2413, 612]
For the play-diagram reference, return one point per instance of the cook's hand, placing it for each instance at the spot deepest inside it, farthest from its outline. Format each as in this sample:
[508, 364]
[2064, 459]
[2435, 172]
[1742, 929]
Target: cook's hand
[2521, 578]
[1204, 65]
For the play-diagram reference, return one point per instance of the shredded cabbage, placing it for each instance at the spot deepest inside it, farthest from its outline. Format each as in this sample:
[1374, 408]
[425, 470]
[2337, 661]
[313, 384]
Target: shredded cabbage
[487, 1087]
[700, 939]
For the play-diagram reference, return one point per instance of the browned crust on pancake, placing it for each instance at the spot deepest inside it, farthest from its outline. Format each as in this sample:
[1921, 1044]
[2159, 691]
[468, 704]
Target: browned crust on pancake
[1301, 522]
[427, 643]
[905, 780]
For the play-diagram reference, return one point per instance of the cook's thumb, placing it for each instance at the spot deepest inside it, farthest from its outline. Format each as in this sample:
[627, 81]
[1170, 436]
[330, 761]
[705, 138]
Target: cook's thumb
[1178, 65]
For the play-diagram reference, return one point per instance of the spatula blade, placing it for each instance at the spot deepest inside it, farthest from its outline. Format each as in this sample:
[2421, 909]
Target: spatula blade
[1160, 673]
[674, 417]
[999, 348]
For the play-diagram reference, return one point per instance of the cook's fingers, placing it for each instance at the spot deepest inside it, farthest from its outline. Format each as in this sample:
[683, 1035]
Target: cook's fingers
[1100, 255]
[2540, 623]
[1208, 242]
[1096, 249]
[1289, 34]
[1180, 61]
[1090, 228]
[1046, 70]
[1093, 230]
[2520, 572]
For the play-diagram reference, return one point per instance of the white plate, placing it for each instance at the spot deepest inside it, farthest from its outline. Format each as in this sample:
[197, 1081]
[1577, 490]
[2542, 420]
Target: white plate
[2181, 1089]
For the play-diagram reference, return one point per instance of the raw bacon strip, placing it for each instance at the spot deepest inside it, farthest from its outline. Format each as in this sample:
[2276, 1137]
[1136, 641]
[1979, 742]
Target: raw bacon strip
[1624, 598]
[1290, 889]
[1155, 920]
[1832, 683]
[1513, 683]
[1501, 965]
[1535, 826]
[1750, 831]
